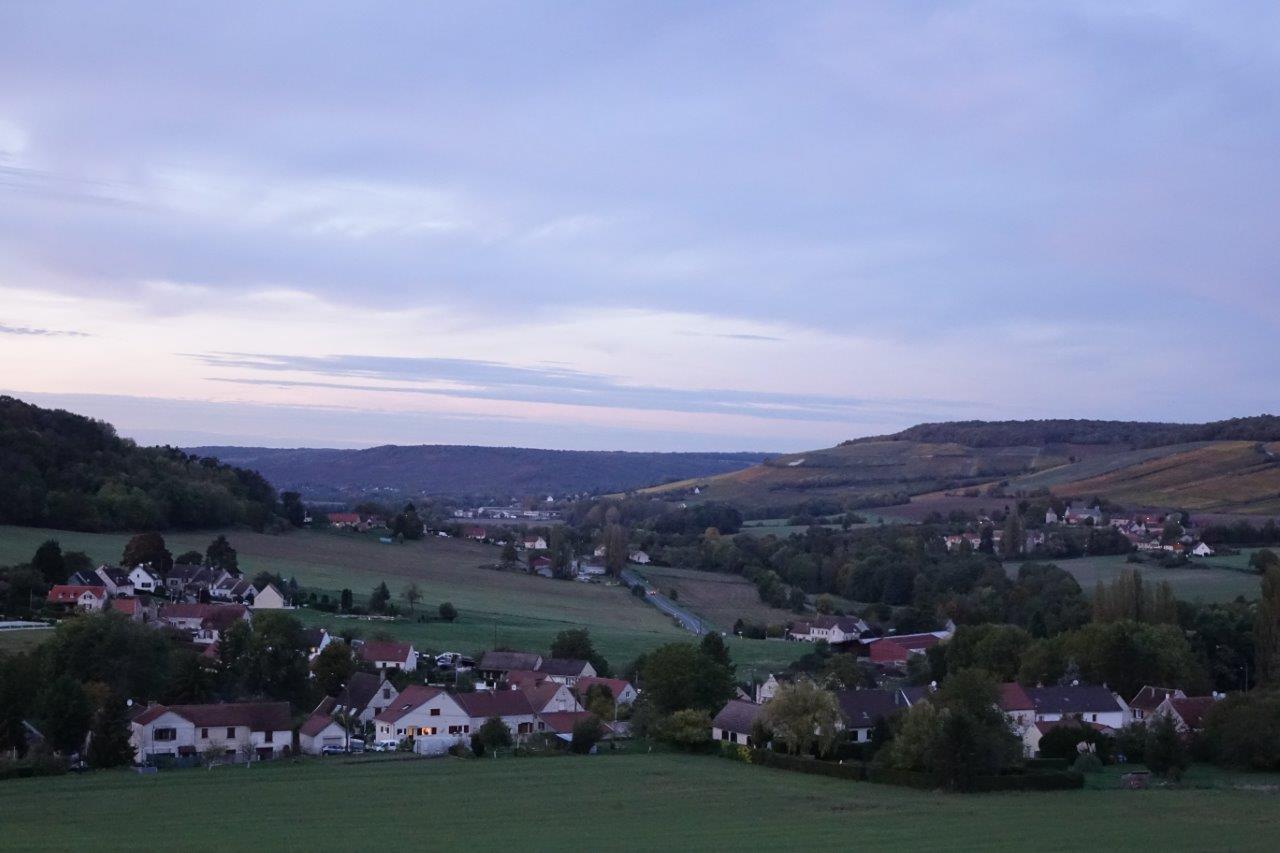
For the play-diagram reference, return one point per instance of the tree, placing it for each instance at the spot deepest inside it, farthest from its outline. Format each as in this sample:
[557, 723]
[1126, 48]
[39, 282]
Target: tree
[333, 668]
[407, 523]
[575, 644]
[1263, 559]
[560, 553]
[345, 600]
[1014, 536]
[599, 701]
[189, 558]
[679, 676]
[17, 679]
[379, 598]
[147, 549]
[220, 555]
[615, 549]
[689, 729]
[587, 732]
[65, 714]
[191, 680]
[411, 595]
[109, 740]
[447, 611]
[494, 734]
[49, 563]
[1243, 730]
[509, 554]
[1165, 752]
[713, 646]
[1266, 628]
[292, 508]
[803, 717]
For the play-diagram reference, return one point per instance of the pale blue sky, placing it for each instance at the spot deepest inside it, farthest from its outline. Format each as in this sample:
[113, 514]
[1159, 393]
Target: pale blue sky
[643, 226]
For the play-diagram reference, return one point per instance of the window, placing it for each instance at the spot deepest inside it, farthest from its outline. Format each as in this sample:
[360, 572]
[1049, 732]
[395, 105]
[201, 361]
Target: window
[733, 737]
[231, 732]
[386, 693]
[524, 728]
[455, 730]
[466, 729]
[541, 726]
[427, 730]
[204, 733]
[269, 737]
[165, 734]
[435, 712]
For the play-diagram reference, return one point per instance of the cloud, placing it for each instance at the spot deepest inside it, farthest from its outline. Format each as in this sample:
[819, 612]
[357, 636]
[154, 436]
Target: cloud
[487, 380]
[48, 333]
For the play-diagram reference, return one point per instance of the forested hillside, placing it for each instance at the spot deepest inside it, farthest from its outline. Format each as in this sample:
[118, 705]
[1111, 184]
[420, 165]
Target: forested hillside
[458, 471]
[59, 469]
[1043, 432]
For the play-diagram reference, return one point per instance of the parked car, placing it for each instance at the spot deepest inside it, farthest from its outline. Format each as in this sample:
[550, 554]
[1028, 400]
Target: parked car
[385, 746]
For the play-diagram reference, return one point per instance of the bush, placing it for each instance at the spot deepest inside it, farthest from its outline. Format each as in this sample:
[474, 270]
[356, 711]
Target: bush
[1166, 753]
[1087, 762]
[586, 734]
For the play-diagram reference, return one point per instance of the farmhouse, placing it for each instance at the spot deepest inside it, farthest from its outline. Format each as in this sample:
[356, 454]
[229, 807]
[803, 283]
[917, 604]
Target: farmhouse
[1087, 703]
[261, 729]
[1148, 699]
[90, 599]
[897, 649]
[831, 629]
[388, 655]
[735, 721]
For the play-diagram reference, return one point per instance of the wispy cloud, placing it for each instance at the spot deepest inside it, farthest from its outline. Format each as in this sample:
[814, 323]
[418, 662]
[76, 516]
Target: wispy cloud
[47, 333]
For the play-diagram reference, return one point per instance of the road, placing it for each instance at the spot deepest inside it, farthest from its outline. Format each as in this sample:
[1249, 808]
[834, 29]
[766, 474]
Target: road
[687, 620]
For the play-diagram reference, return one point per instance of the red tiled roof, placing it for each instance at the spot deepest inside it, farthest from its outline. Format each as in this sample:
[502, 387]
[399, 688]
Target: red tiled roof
[344, 518]
[616, 685]
[128, 606]
[525, 678]
[411, 698]
[1014, 698]
[1149, 698]
[69, 594]
[257, 716]
[562, 722]
[1192, 708]
[375, 650]
[498, 703]
[320, 718]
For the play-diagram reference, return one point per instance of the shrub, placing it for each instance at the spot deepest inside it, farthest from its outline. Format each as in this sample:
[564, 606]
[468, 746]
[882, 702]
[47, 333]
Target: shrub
[1087, 762]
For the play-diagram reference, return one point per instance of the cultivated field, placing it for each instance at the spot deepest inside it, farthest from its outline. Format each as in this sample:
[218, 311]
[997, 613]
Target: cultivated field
[722, 599]
[1207, 580]
[496, 607]
[658, 801]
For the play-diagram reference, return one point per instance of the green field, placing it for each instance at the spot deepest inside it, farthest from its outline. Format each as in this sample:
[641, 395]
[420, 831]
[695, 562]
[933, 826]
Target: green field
[635, 802]
[1206, 580]
[22, 640]
[496, 607]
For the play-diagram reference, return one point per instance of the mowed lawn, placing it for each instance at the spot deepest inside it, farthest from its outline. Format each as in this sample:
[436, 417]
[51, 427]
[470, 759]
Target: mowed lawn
[22, 640]
[636, 802]
[1206, 580]
[506, 608]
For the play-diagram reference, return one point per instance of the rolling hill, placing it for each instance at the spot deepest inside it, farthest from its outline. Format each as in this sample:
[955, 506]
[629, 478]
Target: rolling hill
[457, 471]
[1226, 467]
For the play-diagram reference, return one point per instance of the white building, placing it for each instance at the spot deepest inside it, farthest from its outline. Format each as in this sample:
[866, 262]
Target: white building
[243, 730]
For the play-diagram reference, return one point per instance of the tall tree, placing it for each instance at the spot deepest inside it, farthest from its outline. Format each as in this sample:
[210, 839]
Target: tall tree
[1266, 628]
[333, 668]
[575, 644]
[379, 598]
[109, 739]
[220, 555]
[148, 549]
[411, 594]
[49, 563]
[615, 548]
[803, 717]
[65, 714]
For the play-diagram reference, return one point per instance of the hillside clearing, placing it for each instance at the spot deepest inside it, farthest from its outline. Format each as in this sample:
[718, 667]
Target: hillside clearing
[1202, 580]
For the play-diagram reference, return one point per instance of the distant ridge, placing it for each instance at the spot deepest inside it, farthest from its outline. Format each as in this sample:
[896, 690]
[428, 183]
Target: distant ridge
[1044, 432]
[466, 470]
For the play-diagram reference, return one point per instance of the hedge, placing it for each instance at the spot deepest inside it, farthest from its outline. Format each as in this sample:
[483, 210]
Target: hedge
[32, 767]
[1049, 780]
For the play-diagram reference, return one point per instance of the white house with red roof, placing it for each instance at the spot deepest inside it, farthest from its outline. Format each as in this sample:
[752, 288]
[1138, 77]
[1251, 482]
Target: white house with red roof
[621, 690]
[388, 655]
[433, 719]
[90, 599]
[1188, 712]
[897, 649]
[242, 729]
[1017, 706]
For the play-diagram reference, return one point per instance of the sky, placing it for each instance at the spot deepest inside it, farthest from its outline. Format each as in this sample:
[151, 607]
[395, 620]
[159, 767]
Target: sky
[639, 226]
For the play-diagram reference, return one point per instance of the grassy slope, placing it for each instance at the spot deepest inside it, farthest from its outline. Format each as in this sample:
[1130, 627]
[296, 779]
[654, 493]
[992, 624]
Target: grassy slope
[23, 640]
[655, 801]
[519, 610]
[1207, 580]
[720, 598]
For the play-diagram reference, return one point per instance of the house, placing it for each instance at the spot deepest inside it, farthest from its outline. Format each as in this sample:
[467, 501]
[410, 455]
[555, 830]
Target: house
[861, 710]
[1031, 737]
[365, 696]
[318, 639]
[1017, 706]
[145, 580]
[261, 729]
[513, 707]
[115, 579]
[186, 579]
[344, 519]
[388, 655]
[541, 566]
[137, 609]
[622, 691]
[1188, 712]
[1148, 699]
[1083, 516]
[431, 719]
[535, 543]
[1201, 550]
[566, 671]
[321, 730]
[476, 532]
[90, 599]
[639, 557]
[735, 721]
[1050, 517]
[205, 622]
[561, 723]
[268, 598]
[832, 629]
[230, 586]
[550, 697]
[897, 649]
[494, 666]
[1088, 703]
[766, 689]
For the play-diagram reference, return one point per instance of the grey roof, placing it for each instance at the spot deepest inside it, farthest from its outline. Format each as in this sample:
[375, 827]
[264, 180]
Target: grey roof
[863, 708]
[562, 666]
[115, 574]
[847, 624]
[507, 661]
[1074, 699]
[360, 690]
[737, 716]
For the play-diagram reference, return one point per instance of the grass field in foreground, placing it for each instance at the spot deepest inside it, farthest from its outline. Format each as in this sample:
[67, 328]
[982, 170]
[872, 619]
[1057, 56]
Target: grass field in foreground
[1202, 580]
[658, 801]
[522, 611]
